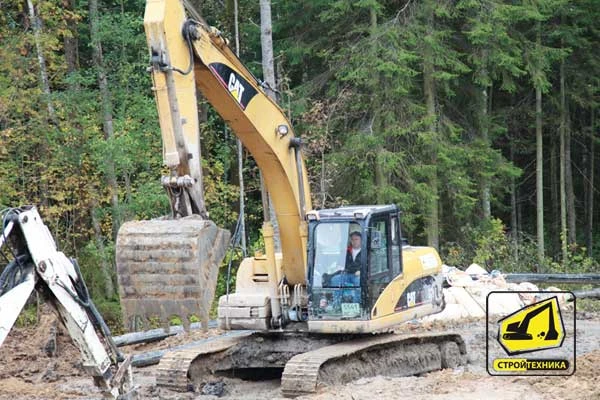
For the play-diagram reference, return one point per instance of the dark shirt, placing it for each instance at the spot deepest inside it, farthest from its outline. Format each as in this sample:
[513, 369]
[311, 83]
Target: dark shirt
[352, 266]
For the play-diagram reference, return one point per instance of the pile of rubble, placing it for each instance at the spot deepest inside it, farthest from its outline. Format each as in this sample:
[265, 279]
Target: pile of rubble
[468, 290]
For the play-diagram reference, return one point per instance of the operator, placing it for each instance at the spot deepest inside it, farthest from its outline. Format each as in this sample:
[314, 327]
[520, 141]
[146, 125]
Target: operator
[353, 254]
[350, 275]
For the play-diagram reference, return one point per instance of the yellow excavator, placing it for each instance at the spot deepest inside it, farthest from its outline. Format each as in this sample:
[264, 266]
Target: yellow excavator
[309, 313]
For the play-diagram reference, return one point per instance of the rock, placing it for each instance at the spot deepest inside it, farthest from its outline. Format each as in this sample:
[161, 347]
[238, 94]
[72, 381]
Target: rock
[456, 277]
[499, 282]
[510, 303]
[50, 348]
[528, 298]
[528, 286]
[465, 299]
[475, 269]
[214, 389]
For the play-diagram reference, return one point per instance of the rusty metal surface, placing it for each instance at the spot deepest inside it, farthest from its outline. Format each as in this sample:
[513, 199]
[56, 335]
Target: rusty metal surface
[303, 372]
[168, 268]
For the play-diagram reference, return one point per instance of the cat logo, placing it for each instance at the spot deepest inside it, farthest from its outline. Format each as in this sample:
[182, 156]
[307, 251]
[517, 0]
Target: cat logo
[241, 90]
[236, 88]
[535, 327]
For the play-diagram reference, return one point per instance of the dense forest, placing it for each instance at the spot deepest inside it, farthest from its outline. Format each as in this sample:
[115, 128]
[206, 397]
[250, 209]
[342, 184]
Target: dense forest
[477, 117]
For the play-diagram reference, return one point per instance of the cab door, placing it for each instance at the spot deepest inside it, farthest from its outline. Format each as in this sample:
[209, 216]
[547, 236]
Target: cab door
[379, 273]
[395, 240]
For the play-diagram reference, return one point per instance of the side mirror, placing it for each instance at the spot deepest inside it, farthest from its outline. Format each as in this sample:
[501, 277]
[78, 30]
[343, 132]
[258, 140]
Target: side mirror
[375, 239]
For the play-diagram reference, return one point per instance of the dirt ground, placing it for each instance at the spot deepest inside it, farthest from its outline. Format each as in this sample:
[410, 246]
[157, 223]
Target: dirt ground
[27, 372]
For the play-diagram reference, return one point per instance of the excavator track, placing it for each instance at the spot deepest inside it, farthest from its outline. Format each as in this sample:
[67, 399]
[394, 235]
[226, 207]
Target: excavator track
[168, 268]
[391, 355]
[308, 359]
[172, 371]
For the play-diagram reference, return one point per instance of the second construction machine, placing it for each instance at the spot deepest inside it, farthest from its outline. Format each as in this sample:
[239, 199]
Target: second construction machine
[302, 313]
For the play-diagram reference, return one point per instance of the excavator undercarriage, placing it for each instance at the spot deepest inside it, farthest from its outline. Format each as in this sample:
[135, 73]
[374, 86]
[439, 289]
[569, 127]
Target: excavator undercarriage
[303, 361]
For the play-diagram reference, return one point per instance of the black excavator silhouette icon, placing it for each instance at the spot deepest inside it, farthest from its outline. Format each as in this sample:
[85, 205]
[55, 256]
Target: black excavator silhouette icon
[518, 330]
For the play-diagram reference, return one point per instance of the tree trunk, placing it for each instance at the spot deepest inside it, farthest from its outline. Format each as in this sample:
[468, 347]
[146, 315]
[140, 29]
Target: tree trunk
[563, 202]
[128, 192]
[377, 128]
[37, 28]
[483, 121]
[539, 164]
[555, 228]
[590, 194]
[70, 41]
[571, 216]
[45, 83]
[266, 40]
[240, 155]
[268, 67]
[433, 231]
[109, 288]
[485, 195]
[107, 119]
[514, 222]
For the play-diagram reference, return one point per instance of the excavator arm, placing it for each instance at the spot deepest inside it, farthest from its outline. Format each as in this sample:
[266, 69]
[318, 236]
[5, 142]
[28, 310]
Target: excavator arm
[170, 266]
[37, 265]
[188, 55]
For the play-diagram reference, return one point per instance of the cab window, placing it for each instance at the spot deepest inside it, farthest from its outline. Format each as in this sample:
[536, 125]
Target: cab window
[396, 246]
[378, 249]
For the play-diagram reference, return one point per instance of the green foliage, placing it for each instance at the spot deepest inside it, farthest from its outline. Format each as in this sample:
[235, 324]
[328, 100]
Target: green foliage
[28, 317]
[577, 262]
[352, 78]
[489, 245]
[91, 260]
[111, 312]
[589, 305]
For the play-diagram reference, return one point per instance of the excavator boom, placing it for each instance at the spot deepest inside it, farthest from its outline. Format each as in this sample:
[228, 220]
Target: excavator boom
[175, 43]
[189, 57]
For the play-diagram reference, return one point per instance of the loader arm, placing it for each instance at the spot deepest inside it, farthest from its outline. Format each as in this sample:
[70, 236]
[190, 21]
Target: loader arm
[187, 54]
[38, 265]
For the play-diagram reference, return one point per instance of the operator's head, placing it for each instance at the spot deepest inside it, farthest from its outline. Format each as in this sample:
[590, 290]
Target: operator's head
[355, 240]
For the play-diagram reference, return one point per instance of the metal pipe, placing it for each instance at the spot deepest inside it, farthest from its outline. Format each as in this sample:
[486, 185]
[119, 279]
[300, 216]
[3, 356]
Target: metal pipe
[268, 234]
[587, 294]
[296, 143]
[176, 122]
[265, 198]
[554, 278]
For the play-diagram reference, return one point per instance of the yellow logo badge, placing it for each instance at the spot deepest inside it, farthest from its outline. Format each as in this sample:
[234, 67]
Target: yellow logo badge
[536, 327]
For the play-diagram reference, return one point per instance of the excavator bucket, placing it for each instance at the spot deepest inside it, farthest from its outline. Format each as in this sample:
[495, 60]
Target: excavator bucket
[168, 268]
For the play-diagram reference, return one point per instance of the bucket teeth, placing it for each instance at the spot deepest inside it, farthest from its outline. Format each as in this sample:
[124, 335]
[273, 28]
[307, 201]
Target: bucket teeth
[168, 268]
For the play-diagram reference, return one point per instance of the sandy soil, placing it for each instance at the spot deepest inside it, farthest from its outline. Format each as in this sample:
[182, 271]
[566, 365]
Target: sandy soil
[27, 372]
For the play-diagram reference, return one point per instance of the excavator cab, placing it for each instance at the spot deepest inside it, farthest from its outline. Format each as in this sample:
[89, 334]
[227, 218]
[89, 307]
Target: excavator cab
[381, 284]
[336, 277]
[345, 281]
